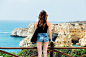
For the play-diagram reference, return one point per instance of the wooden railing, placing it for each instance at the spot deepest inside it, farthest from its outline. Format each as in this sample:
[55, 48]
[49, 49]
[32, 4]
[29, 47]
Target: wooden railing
[52, 49]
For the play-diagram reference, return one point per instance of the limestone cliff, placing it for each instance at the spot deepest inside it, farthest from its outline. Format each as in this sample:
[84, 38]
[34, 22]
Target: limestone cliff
[69, 34]
[64, 34]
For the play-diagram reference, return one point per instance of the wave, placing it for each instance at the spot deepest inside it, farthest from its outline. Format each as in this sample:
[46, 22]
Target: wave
[5, 32]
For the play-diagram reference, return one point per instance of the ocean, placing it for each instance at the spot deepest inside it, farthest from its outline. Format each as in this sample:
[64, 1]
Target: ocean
[6, 27]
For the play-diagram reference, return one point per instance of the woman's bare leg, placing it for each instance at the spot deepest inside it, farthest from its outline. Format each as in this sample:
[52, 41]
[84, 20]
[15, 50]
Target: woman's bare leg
[45, 46]
[39, 47]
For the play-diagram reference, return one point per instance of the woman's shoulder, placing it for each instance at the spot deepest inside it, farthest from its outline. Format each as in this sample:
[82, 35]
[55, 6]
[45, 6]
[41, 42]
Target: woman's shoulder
[48, 23]
[37, 22]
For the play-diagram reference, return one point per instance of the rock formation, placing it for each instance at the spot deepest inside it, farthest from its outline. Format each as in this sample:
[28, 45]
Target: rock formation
[19, 32]
[64, 34]
[71, 34]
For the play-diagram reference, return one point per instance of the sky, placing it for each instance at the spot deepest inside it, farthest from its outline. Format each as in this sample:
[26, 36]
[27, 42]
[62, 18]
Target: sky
[57, 10]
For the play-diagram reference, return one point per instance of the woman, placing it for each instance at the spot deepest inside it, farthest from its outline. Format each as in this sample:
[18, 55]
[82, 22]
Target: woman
[42, 24]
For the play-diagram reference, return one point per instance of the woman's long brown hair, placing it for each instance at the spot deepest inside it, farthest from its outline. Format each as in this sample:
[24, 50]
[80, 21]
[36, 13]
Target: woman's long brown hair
[42, 18]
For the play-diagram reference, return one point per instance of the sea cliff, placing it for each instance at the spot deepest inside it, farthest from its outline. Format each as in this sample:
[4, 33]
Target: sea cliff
[64, 34]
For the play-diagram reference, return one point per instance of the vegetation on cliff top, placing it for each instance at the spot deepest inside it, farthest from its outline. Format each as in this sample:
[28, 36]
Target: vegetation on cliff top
[84, 22]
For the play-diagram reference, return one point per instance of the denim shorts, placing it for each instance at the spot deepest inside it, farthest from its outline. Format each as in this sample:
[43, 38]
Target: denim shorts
[42, 37]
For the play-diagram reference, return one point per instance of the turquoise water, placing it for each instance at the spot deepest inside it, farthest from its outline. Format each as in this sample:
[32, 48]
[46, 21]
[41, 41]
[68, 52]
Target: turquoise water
[76, 45]
[6, 27]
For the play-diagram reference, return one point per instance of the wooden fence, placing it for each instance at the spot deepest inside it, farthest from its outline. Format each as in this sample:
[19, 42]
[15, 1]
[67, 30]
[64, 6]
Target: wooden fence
[51, 50]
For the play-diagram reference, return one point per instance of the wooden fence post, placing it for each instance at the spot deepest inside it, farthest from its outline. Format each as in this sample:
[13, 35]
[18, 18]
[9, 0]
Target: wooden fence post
[52, 53]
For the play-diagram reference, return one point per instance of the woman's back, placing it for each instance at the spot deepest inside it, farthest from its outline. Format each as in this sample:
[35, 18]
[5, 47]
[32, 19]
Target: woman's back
[41, 30]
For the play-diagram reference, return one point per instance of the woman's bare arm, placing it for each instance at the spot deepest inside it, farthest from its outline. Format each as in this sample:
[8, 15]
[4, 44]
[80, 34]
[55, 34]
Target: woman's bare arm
[36, 24]
[50, 32]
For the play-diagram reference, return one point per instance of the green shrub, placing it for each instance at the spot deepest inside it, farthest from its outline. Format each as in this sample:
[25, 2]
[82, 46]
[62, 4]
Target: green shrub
[29, 52]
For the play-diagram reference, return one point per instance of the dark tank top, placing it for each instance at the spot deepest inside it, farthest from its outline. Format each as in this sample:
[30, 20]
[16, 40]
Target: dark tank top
[41, 28]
